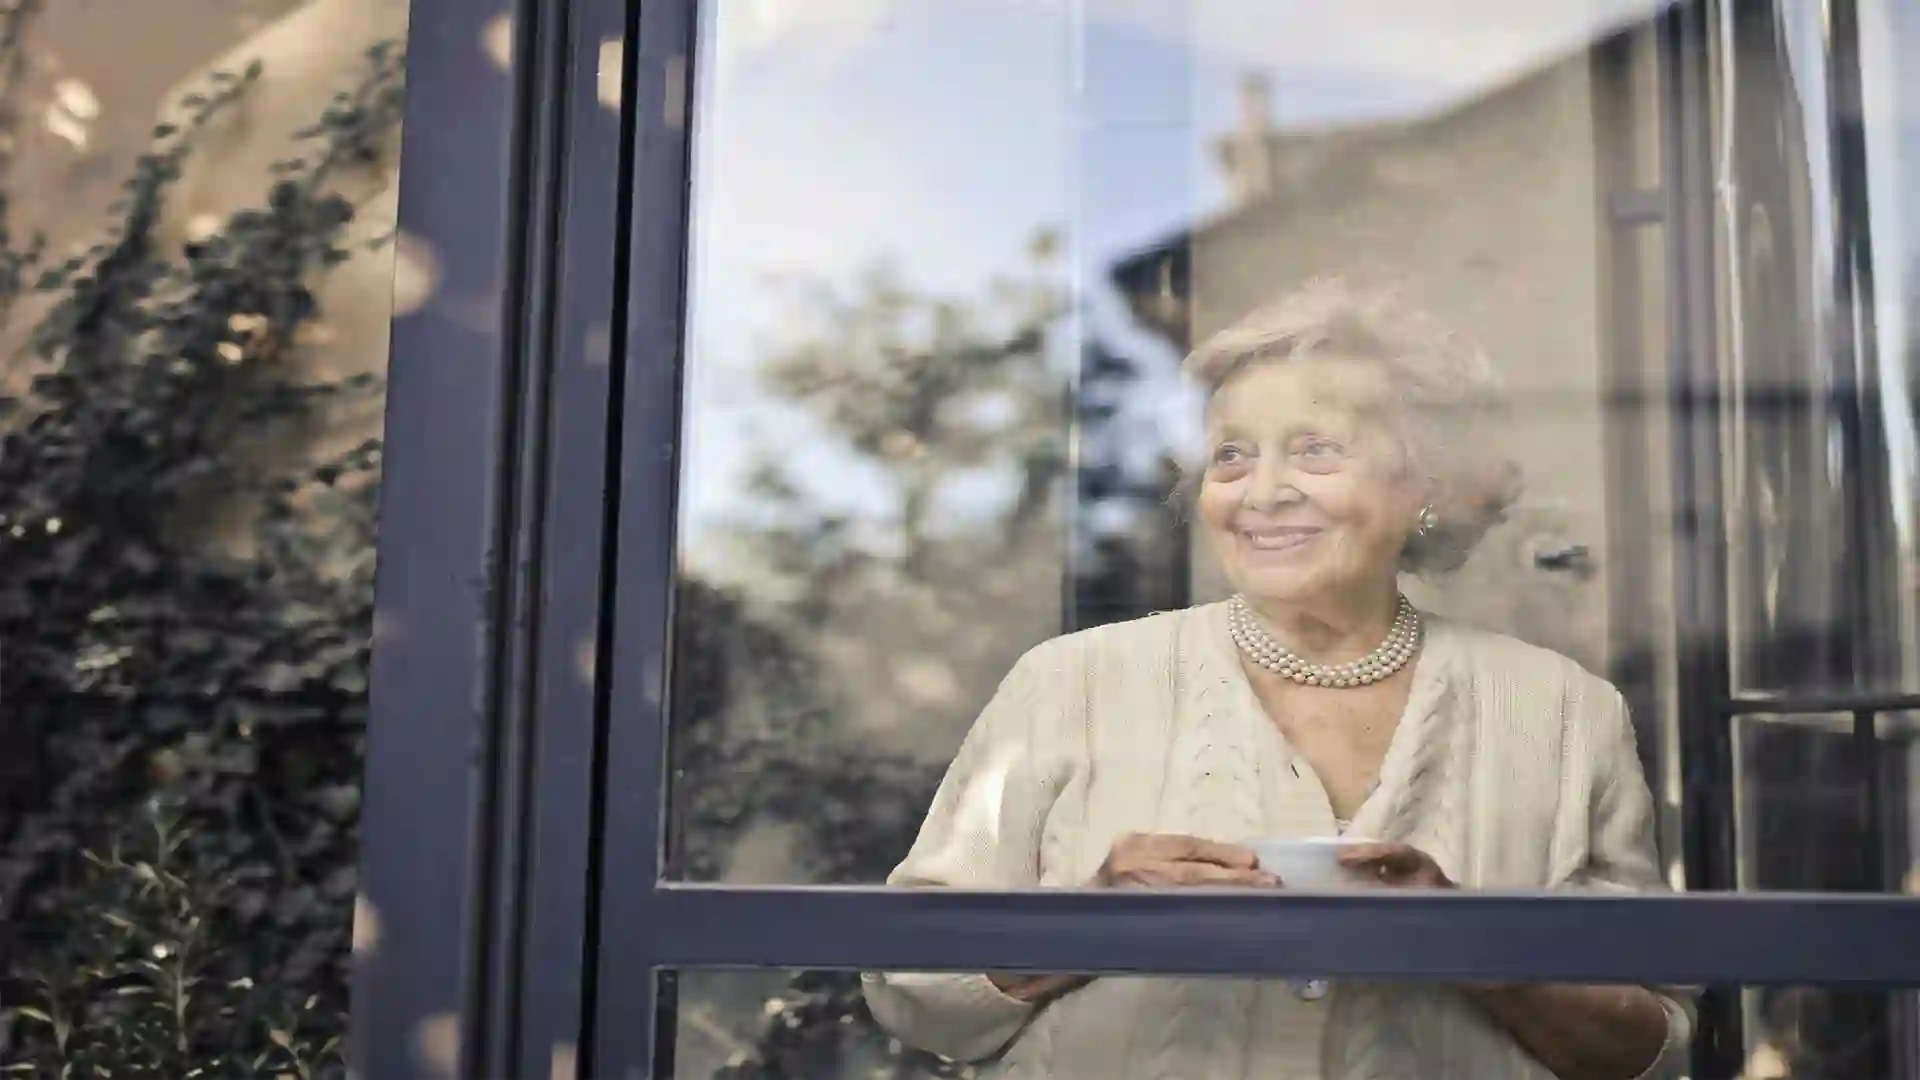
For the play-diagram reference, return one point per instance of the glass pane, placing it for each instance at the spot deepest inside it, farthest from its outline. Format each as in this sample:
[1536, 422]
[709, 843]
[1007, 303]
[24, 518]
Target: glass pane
[764, 1025]
[971, 371]
[197, 278]
[1890, 129]
[1820, 454]
[1819, 804]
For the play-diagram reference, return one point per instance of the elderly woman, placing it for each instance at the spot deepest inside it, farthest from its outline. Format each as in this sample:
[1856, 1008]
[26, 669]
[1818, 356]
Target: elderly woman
[1345, 445]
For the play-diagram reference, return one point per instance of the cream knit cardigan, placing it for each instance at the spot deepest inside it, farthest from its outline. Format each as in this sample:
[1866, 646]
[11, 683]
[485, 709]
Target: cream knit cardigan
[1512, 766]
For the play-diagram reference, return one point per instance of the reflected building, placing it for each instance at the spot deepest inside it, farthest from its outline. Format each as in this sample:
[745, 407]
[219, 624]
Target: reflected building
[1484, 215]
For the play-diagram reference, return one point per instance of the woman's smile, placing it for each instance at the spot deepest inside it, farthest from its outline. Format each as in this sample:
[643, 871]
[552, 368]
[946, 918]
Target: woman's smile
[1279, 538]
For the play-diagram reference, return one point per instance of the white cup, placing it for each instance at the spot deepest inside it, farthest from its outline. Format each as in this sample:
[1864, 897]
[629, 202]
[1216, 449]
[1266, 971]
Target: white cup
[1310, 862]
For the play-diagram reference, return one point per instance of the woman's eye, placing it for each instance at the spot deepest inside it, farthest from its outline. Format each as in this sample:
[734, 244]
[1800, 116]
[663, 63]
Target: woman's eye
[1320, 452]
[1228, 455]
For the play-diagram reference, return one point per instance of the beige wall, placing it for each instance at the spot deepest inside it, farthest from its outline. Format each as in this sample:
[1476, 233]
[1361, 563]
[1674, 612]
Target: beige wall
[1486, 216]
[307, 55]
[100, 74]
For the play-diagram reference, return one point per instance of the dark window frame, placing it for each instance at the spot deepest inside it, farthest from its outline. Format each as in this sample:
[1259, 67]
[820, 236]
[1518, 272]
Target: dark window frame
[514, 816]
[473, 952]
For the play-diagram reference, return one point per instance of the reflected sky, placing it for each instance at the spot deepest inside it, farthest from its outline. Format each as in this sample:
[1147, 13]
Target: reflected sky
[939, 135]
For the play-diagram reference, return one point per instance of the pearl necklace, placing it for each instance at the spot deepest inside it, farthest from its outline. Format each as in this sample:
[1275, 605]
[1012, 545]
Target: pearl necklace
[1402, 641]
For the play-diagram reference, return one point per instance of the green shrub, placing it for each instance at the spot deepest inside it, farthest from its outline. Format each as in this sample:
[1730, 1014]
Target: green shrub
[183, 726]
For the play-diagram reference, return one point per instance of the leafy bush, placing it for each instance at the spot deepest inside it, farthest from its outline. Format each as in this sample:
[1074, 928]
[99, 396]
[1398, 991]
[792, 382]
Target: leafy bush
[183, 726]
[148, 988]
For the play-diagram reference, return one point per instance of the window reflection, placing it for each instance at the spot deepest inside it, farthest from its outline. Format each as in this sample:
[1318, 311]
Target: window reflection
[936, 414]
[937, 418]
[766, 1025]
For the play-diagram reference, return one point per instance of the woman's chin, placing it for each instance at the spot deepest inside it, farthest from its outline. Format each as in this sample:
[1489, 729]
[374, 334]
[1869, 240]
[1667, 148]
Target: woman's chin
[1278, 585]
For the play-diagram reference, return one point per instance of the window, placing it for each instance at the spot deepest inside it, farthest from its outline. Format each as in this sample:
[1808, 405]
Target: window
[901, 305]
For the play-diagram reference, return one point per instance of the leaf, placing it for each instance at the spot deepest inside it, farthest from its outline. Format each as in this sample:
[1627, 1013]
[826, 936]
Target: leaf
[32, 1013]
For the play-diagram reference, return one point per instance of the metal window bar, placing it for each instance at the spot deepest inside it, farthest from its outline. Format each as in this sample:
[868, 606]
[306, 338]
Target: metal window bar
[426, 825]
[1708, 844]
[1864, 712]
[477, 819]
[1882, 1023]
[632, 1019]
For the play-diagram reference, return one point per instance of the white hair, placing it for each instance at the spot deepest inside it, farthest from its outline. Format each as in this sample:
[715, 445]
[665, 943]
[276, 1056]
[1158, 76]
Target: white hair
[1452, 400]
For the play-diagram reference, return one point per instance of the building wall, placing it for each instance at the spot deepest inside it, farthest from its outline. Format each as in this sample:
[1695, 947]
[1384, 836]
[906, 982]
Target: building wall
[1488, 217]
[98, 77]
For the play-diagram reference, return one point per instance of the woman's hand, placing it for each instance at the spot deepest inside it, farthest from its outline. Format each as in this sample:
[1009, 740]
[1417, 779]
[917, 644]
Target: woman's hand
[1037, 989]
[1169, 861]
[1577, 1032]
[1148, 861]
[1397, 866]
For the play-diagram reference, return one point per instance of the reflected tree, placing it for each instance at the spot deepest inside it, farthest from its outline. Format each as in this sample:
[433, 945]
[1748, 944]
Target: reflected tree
[853, 620]
[817, 698]
[756, 745]
[927, 389]
[1131, 540]
[756, 742]
[913, 396]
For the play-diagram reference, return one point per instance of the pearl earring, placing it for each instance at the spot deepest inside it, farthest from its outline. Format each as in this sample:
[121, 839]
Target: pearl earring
[1429, 520]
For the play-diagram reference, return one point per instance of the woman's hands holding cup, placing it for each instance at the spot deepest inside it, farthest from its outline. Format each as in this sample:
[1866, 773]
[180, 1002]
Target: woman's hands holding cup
[1396, 866]
[1171, 861]
[1150, 861]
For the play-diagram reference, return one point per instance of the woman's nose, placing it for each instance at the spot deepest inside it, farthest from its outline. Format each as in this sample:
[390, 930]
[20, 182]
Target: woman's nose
[1271, 487]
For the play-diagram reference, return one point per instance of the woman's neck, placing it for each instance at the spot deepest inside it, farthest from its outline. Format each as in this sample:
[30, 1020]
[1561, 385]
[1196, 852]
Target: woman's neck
[1332, 629]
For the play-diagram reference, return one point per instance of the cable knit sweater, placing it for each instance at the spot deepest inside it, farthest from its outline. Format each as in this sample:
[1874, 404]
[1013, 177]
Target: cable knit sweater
[1512, 766]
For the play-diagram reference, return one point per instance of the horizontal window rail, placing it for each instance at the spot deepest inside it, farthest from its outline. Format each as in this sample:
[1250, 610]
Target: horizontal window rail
[1853, 940]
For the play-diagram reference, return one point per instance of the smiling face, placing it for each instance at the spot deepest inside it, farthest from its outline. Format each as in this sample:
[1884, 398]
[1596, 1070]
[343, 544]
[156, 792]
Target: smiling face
[1308, 491]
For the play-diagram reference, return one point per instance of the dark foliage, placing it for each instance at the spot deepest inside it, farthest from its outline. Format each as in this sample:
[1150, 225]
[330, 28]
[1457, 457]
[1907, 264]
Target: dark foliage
[181, 726]
[759, 738]
[857, 810]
